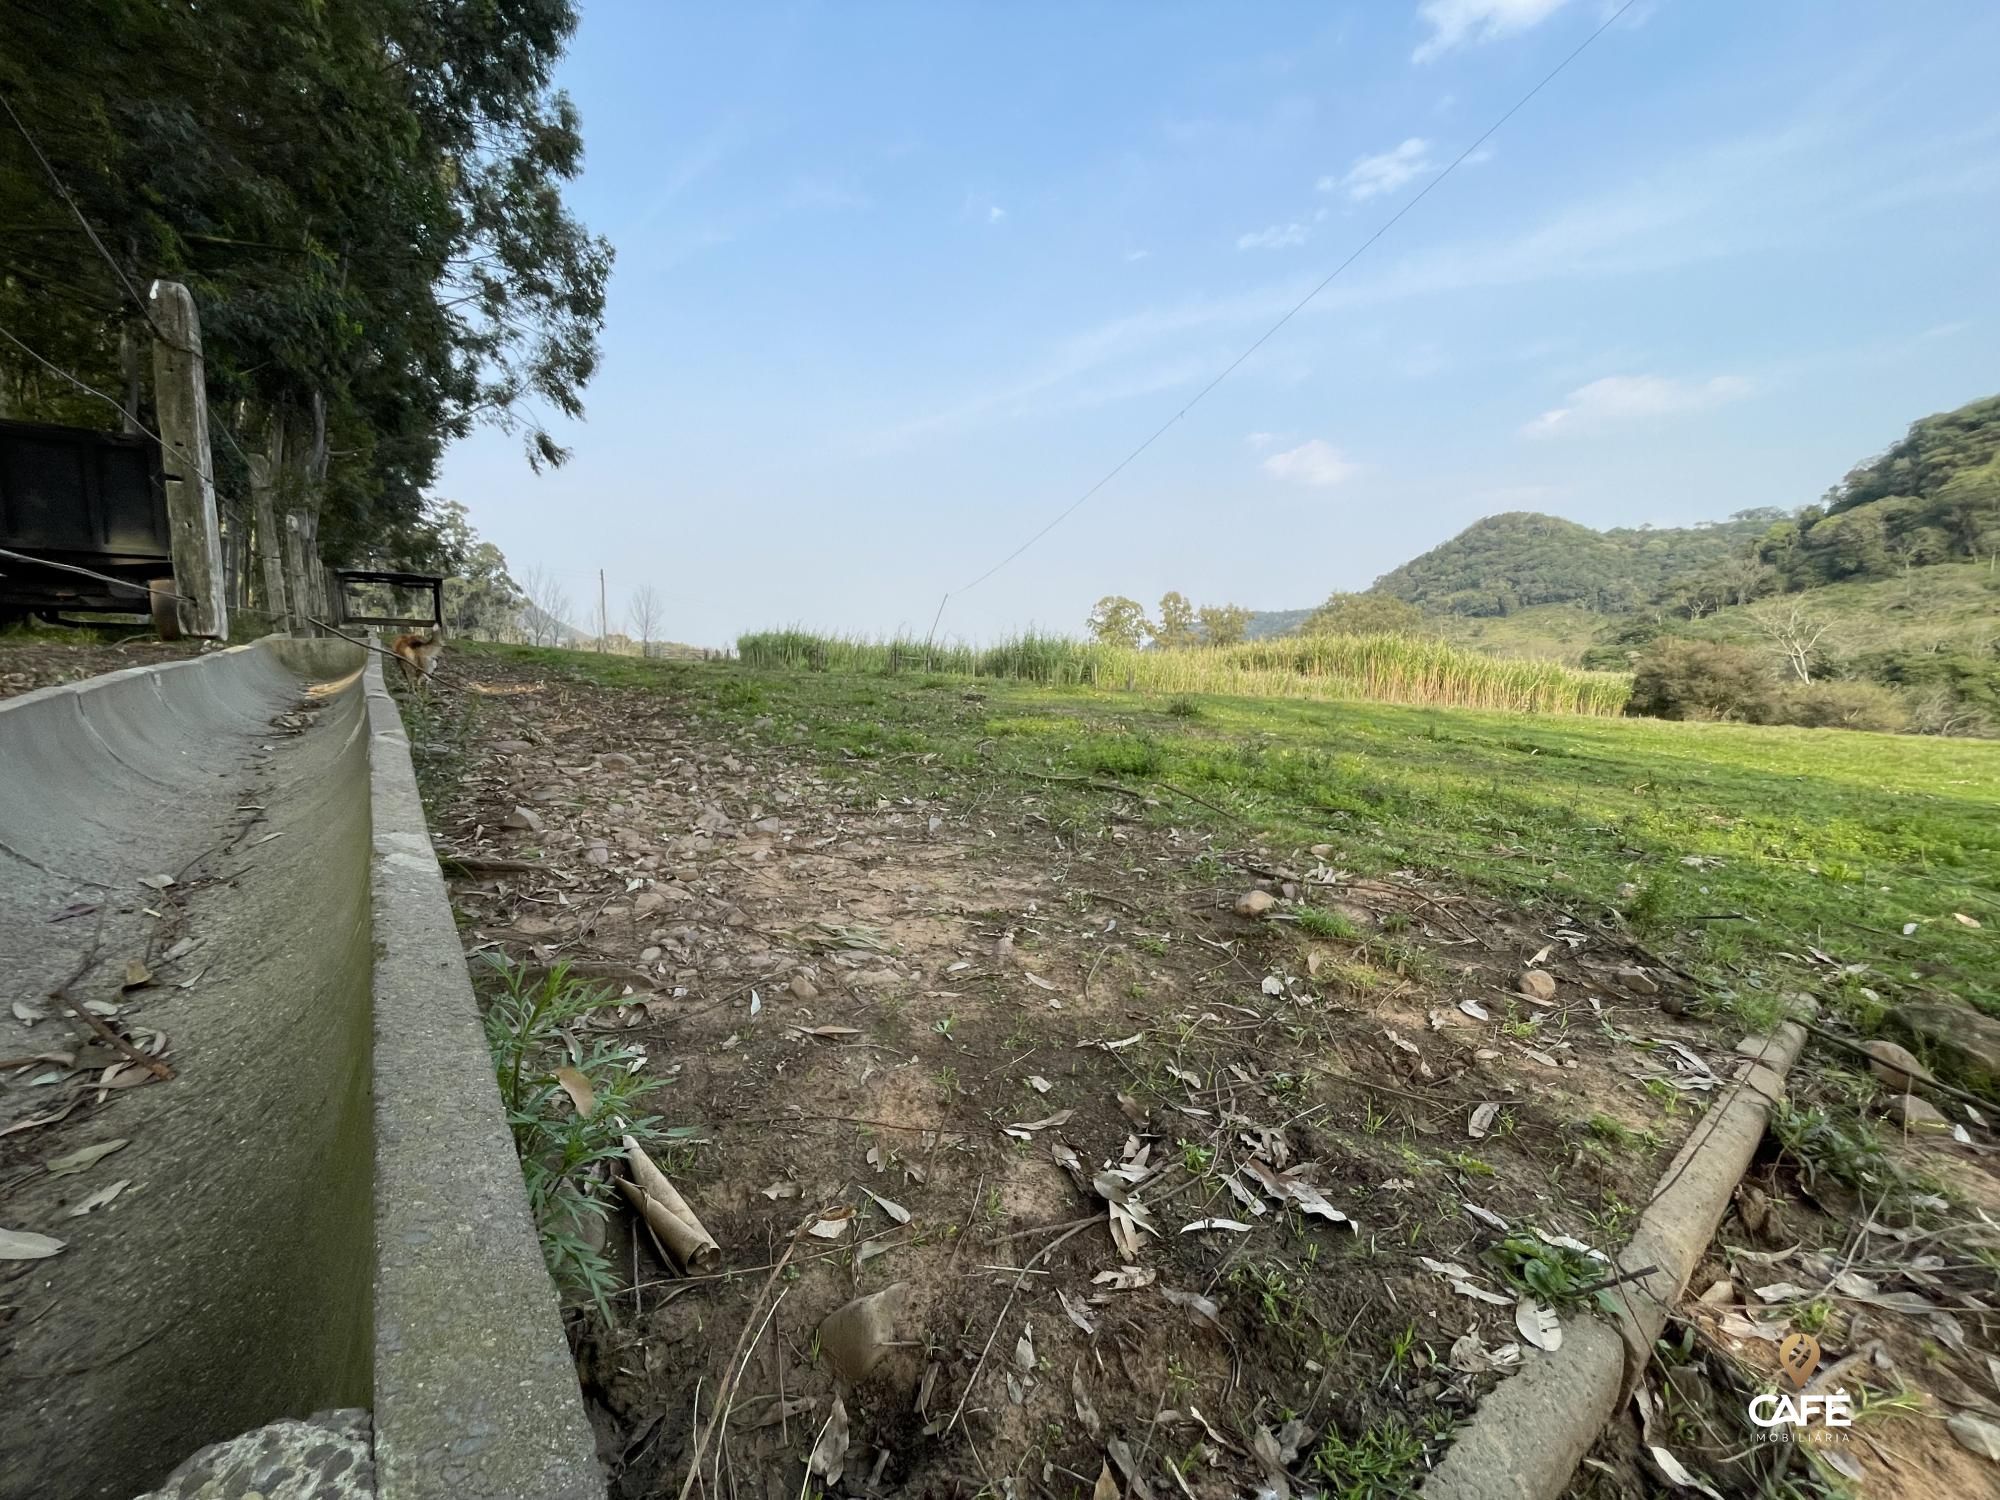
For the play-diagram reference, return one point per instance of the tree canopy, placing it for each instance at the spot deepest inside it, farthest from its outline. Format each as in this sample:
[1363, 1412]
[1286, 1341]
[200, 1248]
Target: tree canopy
[365, 200]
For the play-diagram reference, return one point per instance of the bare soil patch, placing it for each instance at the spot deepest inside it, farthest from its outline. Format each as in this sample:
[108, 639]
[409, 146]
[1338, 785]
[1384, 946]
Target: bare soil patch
[29, 662]
[922, 1002]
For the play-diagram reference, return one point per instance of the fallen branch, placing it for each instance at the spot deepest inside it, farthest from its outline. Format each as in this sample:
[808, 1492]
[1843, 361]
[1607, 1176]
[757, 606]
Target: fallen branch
[152, 1064]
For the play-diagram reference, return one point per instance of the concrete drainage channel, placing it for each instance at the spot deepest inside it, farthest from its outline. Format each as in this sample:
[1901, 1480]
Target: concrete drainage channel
[323, 1213]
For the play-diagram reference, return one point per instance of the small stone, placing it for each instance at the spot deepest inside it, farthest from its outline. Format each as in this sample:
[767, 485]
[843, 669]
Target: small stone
[648, 955]
[736, 918]
[534, 927]
[1322, 851]
[616, 760]
[597, 854]
[1628, 892]
[1912, 1113]
[1895, 1066]
[648, 902]
[1638, 982]
[524, 818]
[769, 825]
[511, 747]
[1255, 903]
[803, 988]
[1538, 984]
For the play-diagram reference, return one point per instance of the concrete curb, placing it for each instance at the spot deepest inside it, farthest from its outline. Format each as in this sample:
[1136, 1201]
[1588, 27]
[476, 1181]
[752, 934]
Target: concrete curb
[1527, 1438]
[475, 1393]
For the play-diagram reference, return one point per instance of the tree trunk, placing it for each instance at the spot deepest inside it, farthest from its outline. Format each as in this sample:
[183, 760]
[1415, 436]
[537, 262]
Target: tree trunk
[265, 478]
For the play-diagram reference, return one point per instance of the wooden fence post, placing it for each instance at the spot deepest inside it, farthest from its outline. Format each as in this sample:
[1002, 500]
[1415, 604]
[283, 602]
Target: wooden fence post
[180, 401]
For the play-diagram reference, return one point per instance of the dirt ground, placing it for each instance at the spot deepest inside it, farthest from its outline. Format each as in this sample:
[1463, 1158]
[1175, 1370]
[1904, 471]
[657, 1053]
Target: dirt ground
[30, 662]
[934, 1029]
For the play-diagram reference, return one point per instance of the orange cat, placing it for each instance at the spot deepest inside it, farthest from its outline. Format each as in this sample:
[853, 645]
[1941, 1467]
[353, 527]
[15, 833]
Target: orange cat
[418, 655]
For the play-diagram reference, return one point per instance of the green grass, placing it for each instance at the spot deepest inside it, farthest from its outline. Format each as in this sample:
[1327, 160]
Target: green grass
[1383, 668]
[1744, 846]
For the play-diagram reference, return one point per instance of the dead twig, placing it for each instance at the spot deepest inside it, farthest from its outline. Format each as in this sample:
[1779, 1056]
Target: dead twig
[736, 1360]
[96, 1023]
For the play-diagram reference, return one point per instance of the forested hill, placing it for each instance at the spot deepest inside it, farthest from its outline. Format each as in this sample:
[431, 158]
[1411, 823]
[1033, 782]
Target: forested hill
[1933, 497]
[1512, 561]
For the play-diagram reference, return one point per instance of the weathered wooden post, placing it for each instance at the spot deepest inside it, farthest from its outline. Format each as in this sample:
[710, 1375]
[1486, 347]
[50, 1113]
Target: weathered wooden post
[180, 402]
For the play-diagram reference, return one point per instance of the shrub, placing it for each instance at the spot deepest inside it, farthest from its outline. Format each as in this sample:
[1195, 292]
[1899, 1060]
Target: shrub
[1678, 678]
[1842, 705]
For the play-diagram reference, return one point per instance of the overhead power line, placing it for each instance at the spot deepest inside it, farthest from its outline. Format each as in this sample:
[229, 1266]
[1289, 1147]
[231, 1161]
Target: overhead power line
[1293, 311]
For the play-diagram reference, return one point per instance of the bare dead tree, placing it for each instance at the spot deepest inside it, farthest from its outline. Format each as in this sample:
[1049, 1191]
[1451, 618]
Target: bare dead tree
[1791, 631]
[646, 611]
[547, 609]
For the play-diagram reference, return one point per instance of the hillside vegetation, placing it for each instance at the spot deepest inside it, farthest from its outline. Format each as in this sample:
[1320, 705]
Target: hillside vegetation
[1877, 607]
[1520, 559]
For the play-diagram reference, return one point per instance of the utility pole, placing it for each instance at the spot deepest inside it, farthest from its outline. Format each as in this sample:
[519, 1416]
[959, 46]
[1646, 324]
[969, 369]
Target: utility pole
[603, 618]
[180, 403]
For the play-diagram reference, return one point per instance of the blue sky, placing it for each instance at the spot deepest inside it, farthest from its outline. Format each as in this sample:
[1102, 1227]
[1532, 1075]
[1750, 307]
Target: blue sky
[897, 283]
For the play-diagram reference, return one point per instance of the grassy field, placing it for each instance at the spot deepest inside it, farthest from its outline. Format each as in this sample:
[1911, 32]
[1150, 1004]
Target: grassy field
[1382, 668]
[1732, 851]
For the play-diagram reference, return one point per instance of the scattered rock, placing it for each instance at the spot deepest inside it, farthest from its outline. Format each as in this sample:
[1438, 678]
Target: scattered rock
[524, 818]
[1894, 1065]
[616, 760]
[597, 854]
[328, 1454]
[1637, 982]
[1538, 984]
[1322, 851]
[1965, 1042]
[1255, 903]
[511, 747]
[1912, 1113]
[803, 988]
[649, 955]
[1628, 892]
[769, 825]
[534, 927]
[648, 902]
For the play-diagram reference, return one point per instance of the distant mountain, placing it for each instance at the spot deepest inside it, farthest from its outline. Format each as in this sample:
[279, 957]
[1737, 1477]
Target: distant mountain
[1265, 623]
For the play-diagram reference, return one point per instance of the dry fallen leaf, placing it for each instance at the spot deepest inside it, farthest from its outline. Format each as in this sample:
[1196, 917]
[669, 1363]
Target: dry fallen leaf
[829, 1454]
[779, 1190]
[1106, 1487]
[1207, 1310]
[578, 1088]
[1234, 1226]
[1539, 1325]
[833, 1224]
[895, 1211]
[1479, 1293]
[1126, 1278]
[1060, 1117]
[20, 1244]
[99, 1198]
[1481, 1121]
[77, 1161]
[1073, 1310]
[1039, 1084]
[1963, 920]
[137, 975]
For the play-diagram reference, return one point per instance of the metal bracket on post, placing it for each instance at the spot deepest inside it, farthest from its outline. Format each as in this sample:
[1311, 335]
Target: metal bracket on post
[180, 401]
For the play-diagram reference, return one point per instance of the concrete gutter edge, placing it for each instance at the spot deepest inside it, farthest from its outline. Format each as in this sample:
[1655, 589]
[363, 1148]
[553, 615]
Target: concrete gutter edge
[1528, 1437]
[475, 1391]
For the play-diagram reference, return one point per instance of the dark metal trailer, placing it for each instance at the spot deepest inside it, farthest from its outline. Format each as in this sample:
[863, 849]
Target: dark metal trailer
[90, 500]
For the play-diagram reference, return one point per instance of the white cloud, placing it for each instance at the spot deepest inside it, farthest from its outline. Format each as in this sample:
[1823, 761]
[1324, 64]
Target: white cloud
[995, 214]
[1619, 398]
[1454, 23]
[1277, 237]
[1260, 440]
[1314, 462]
[1372, 175]
[1136, 255]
